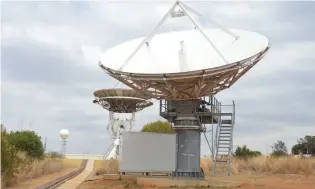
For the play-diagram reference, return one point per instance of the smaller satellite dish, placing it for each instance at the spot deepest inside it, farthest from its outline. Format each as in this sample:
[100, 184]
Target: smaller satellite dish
[64, 133]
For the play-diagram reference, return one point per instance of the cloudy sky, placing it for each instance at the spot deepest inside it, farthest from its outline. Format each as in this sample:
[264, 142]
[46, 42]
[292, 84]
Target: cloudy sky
[50, 68]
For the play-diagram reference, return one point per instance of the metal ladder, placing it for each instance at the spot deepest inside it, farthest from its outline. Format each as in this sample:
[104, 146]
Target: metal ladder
[224, 143]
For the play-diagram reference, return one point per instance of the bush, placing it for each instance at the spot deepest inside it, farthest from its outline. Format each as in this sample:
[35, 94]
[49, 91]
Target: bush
[10, 159]
[27, 141]
[244, 152]
[18, 150]
[158, 127]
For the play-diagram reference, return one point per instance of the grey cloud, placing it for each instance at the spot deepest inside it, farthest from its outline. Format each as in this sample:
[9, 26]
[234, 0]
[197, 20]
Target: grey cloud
[281, 21]
[33, 62]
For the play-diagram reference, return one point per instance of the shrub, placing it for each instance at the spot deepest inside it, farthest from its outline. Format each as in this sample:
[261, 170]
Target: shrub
[158, 127]
[27, 141]
[10, 159]
[18, 150]
[244, 152]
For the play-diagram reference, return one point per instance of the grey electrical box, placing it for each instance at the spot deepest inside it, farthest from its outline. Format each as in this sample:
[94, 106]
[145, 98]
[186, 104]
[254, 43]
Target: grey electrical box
[147, 152]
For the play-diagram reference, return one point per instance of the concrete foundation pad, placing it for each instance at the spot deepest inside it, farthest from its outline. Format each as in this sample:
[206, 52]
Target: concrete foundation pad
[115, 177]
[168, 182]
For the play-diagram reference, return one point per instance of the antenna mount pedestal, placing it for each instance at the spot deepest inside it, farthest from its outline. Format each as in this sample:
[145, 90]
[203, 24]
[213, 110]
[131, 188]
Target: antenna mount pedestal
[188, 118]
[187, 124]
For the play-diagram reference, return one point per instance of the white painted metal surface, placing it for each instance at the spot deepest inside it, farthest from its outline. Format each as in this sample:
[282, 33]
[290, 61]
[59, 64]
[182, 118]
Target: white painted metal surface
[64, 133]
[116, 126]
[165, 52]
[147, 152]
[112, 153]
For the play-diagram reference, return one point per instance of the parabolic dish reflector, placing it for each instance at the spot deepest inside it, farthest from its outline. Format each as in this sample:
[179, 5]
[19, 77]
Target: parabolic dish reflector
[165, 53]
[121, 100]
[184, 65]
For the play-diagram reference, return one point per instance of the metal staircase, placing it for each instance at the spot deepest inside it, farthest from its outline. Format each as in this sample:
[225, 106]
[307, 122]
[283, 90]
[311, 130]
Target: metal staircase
[223, 143]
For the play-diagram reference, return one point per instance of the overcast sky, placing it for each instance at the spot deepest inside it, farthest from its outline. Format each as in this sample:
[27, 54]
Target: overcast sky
[50, 68]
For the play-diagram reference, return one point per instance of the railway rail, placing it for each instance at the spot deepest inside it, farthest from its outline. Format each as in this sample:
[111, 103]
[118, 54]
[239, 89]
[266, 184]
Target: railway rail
[60, 180]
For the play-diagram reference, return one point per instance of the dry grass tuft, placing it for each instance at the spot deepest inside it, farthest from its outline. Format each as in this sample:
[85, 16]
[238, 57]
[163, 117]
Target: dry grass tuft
[270, 165]
[282, 165]
[71, 163]
[106, 166]
[36, 168]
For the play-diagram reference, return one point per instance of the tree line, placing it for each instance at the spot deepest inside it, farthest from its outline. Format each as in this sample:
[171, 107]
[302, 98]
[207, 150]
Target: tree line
[304, 145]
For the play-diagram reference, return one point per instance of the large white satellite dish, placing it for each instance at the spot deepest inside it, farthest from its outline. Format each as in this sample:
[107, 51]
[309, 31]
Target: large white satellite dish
[121, 100]
[187, 64]
[181, 68]
[168, 51]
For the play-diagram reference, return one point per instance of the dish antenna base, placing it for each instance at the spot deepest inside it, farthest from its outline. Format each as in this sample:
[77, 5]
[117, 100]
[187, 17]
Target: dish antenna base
[188, 118]
[188, 153]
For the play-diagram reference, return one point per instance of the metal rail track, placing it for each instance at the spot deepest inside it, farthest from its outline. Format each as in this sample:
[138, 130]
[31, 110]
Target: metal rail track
[60, 180]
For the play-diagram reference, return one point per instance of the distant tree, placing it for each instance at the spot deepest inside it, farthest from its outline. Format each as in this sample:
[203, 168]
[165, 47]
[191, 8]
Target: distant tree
[308, 142]
[256, 153]
[158, 127]
[298, 149]
[27, 141]
[279, 149]
[244, 153]
[304, 145]
[54, 155]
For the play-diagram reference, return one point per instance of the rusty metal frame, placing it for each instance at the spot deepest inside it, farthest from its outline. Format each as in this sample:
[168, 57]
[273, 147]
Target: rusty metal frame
[186, 85]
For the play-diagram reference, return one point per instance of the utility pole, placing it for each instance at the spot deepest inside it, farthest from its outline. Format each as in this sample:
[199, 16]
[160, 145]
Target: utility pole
[45, 144]
[20, 126]
[267, 149]
[30, 125]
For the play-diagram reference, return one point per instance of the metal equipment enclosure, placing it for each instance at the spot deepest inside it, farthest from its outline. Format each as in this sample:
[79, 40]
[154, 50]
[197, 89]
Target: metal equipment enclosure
[147, 152]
